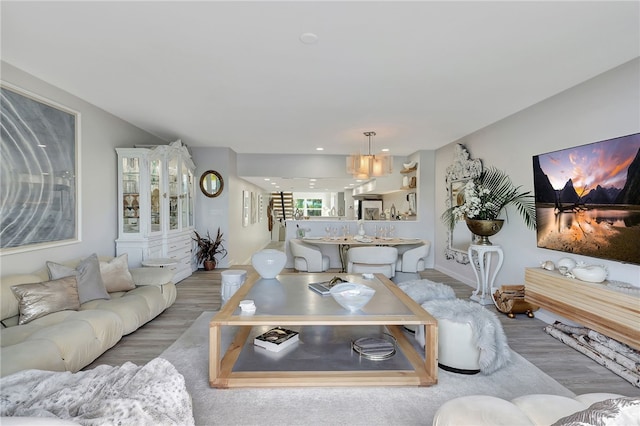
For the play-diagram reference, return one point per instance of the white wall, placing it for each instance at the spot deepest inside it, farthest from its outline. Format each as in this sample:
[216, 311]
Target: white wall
[604, 107]
[101, 133]
[211, 213]
[225, 211]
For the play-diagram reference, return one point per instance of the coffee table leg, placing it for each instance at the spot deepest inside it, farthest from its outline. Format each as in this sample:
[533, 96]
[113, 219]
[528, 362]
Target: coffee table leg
[431, 349]
[215, 341]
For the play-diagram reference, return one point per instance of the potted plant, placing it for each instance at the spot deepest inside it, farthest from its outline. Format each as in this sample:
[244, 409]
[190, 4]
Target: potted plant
[484, 199]
[208, 249]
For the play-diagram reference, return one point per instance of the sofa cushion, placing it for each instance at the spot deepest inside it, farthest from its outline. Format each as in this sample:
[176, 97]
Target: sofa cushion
[555, 407]
[133, 310]
[40, 299]
[90, 284]
[14, 335]
[31, 354]
[115, 274]
[151, 276]
[480, 410]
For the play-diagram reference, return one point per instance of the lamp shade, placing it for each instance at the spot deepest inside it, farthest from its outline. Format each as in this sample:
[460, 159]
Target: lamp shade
[364, 166]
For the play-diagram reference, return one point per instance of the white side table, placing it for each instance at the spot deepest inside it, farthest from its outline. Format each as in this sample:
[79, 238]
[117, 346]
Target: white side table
[159, 262]
[484, 292]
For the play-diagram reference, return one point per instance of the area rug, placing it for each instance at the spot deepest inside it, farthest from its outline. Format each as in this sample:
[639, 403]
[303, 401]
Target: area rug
[332, 406]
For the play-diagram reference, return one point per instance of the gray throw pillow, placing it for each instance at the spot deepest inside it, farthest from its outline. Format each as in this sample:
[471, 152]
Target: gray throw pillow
[90, 284]
[39, 299]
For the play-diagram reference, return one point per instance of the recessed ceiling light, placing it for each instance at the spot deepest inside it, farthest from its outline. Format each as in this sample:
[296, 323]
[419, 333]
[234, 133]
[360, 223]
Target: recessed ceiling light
[319, 149]
[385, 150]
[309, 38]
[267, 178]
[312, 180]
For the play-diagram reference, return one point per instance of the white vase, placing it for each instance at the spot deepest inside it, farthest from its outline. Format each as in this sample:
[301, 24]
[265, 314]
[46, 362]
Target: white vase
[268, 263]
[361, 230]
[590, 273]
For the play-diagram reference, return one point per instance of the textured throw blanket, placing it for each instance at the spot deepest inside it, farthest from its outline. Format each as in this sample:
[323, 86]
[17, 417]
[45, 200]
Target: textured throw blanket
[424, 290]
[152, 394]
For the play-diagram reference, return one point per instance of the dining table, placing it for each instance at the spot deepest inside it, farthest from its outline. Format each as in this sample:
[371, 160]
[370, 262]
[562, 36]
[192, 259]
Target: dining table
[347, 241]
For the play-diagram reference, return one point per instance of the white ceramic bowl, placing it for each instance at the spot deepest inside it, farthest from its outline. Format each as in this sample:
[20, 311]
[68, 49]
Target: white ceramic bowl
[590, 273]
[352, 296]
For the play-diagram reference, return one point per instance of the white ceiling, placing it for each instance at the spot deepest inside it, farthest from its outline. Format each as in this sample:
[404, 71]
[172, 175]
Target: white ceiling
[235, 74]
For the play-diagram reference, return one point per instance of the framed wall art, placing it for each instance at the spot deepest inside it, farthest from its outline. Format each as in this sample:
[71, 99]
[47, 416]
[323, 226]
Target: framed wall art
[254, 207]
[260, 206]
[246, 201]
[40, 144]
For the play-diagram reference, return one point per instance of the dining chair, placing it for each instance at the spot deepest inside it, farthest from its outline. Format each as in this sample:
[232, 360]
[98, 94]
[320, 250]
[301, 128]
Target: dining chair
[412, 257]
[372, 260]
[307, 258]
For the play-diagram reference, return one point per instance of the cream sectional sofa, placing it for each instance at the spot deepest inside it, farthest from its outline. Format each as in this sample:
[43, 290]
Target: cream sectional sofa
[70, 339]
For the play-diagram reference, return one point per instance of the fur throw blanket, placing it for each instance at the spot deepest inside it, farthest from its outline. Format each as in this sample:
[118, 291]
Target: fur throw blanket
[153, 394]
[424, 290]
[486, 329]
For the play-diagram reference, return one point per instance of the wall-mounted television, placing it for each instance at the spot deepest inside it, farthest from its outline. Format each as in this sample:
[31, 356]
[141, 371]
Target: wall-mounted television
[588, 199]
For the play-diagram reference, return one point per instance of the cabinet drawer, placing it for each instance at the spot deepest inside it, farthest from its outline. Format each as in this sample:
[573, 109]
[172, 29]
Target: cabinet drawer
[176, 245]
[179, 253]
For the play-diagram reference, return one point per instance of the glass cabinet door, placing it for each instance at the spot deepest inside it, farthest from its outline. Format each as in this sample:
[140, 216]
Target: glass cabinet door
[155, 167]
[190, 189]
[186, 208]
[131, 195]
[173, 193]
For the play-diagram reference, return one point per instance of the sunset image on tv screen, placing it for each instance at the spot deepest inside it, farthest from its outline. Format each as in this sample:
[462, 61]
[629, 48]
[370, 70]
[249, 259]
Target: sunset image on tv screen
[588, 199]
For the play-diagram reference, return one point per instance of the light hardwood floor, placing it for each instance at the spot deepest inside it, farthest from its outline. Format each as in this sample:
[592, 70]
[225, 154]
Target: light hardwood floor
[201, 292]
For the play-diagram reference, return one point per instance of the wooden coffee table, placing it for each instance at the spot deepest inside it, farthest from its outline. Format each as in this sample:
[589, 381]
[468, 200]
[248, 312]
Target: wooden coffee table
[324, 356]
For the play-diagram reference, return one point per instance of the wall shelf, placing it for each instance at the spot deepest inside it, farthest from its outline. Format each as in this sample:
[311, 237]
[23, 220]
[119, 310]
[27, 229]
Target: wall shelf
[409, 180]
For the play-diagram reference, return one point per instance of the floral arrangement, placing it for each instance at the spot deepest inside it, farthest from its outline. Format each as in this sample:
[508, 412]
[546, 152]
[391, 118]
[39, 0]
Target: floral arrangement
[486, 196]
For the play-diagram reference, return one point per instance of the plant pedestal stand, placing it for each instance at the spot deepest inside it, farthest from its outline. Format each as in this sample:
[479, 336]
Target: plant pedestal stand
[481, 264]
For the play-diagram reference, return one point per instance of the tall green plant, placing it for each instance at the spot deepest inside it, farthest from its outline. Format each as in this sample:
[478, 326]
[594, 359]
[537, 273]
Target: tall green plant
[486, 196]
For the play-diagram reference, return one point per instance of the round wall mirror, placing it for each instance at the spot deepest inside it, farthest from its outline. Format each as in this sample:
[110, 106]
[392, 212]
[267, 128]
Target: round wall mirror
[211, 183]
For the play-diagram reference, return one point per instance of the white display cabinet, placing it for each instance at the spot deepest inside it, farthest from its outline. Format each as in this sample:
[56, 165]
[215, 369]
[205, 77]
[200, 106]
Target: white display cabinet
[156, 205]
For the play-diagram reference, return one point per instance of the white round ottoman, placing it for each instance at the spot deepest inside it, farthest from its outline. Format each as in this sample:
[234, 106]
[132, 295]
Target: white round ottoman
[457, 351]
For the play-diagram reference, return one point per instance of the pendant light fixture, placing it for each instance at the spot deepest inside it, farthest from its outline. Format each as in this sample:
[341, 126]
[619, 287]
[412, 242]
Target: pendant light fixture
[365, 166]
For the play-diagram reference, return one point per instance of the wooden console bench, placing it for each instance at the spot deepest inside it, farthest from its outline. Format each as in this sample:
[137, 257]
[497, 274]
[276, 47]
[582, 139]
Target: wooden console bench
[610, 312]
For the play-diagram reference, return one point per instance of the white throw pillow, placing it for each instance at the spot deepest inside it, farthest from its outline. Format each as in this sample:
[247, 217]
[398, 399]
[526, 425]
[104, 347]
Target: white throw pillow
[116, 275]
[90, 284]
